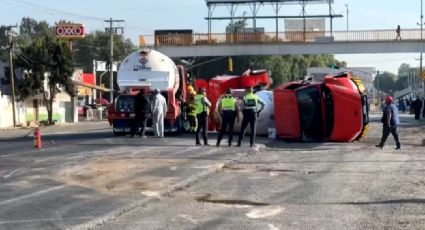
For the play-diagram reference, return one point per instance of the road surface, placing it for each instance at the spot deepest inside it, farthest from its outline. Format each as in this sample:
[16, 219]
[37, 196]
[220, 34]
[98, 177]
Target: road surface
[86, 178]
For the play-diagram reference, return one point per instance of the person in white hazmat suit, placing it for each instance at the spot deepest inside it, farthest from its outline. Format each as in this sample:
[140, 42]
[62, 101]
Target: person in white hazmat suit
[159, 109]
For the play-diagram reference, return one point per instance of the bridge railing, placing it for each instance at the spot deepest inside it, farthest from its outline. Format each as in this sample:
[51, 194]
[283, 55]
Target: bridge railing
[281, 37]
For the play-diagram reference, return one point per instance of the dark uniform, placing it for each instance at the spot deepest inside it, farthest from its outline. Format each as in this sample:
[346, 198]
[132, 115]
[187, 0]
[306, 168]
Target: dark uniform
[202, 107]
[250, 102]
[141, 108]
[228, 108]
[390, 113]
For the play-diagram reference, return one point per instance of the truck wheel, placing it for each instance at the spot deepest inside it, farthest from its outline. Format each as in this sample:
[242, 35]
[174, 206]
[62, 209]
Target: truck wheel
[186, 126]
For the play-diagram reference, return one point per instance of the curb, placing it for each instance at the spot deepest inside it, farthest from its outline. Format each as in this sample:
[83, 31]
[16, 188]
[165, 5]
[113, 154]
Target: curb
[99, 221]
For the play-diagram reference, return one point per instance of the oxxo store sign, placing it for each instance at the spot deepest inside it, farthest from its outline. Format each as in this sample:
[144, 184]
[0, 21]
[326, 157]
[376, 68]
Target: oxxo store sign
[70, 31]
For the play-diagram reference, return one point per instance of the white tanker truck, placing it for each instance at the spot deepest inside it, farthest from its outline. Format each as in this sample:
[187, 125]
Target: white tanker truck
[148, 70]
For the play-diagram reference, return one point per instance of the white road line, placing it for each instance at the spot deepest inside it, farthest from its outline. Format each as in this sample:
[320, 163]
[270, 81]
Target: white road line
[5, 202]
[46, 219]
[11, 173]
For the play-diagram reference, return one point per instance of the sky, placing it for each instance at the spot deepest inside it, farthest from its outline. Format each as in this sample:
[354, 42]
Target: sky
[142, 17]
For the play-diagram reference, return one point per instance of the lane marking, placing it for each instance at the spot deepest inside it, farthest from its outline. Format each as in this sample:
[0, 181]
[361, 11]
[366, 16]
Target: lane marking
[11, 173]
[23, 197]
[46, 219]
[186, 217]
[150, 193]
[272, 227]
[263, 212]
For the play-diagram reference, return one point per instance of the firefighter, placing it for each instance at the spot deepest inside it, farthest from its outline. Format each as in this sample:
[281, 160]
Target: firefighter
[250, 114]
[228, 109]
[202, 107]
[390, 121]
[191, 111]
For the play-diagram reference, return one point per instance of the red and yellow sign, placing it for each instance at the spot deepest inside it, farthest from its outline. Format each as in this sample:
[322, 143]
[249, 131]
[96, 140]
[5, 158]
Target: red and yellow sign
[70, 31]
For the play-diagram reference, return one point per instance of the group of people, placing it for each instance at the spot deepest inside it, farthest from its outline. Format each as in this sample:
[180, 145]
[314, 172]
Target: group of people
[156, 108]
[228, 108]
[416, 107]
[198, 108]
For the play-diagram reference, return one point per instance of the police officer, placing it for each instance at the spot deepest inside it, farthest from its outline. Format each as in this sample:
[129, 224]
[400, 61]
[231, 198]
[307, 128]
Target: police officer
[250, 114]
[390, 121]
[202, 106]
[228, 109]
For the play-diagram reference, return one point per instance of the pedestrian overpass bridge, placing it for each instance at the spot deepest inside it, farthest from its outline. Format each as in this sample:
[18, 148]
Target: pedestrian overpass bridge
[284, 43]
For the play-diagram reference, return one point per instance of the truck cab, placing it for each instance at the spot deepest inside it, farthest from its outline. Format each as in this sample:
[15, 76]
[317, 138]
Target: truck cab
[333, 110]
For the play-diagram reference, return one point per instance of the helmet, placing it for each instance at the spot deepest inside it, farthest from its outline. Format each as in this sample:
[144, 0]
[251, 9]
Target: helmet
[192, 92]
[202, 90]
[190, 88]
[156, 90]
[228, 91]
[388, 99]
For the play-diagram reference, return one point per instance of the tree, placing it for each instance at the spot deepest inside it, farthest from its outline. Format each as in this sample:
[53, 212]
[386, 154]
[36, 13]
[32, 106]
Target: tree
[95, 46]
[385, 82]
[46, 59]
[403, 70]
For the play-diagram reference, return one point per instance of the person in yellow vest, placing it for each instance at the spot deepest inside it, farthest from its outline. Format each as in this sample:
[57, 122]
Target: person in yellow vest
[229, 111]
[250, 114]
[202, 107]
[191, 111]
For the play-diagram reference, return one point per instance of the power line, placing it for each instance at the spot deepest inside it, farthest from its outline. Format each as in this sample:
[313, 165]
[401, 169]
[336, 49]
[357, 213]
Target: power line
[48, 10]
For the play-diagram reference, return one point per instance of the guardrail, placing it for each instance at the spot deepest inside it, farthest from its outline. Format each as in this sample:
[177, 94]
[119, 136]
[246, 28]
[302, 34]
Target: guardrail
[281, 37]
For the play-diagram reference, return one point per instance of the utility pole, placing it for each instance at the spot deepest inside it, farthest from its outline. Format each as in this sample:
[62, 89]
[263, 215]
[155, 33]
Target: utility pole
[9, 33]
[112, 31]
[420, 62]
[346, 6]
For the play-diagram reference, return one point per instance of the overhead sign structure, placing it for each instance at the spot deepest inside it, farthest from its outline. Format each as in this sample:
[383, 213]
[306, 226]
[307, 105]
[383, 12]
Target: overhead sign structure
[70, 31]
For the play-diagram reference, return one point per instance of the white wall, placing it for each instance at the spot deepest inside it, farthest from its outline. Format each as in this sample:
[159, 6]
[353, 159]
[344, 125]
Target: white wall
[6, 112]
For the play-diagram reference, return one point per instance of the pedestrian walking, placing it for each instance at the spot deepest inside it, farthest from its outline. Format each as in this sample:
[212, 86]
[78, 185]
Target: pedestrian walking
[398, 31]
[250, 114]
[159, 109]
[423, 107]
[390, 121]
[191, 111]
[228, 109]
[141, 110]
[401, 105]
[417, 108]
[202, 108]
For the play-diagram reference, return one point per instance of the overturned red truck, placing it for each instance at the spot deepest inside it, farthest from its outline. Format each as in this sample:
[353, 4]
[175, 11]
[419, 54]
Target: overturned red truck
[333, 110]
[217, 86]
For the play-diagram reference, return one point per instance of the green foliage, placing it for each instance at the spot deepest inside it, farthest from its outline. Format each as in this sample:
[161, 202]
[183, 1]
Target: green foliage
[49, 57]
[385, 82]
[283, 68]
[95, 46]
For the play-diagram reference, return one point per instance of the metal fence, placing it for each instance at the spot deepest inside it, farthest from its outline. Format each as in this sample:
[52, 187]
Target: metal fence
[280, 37]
